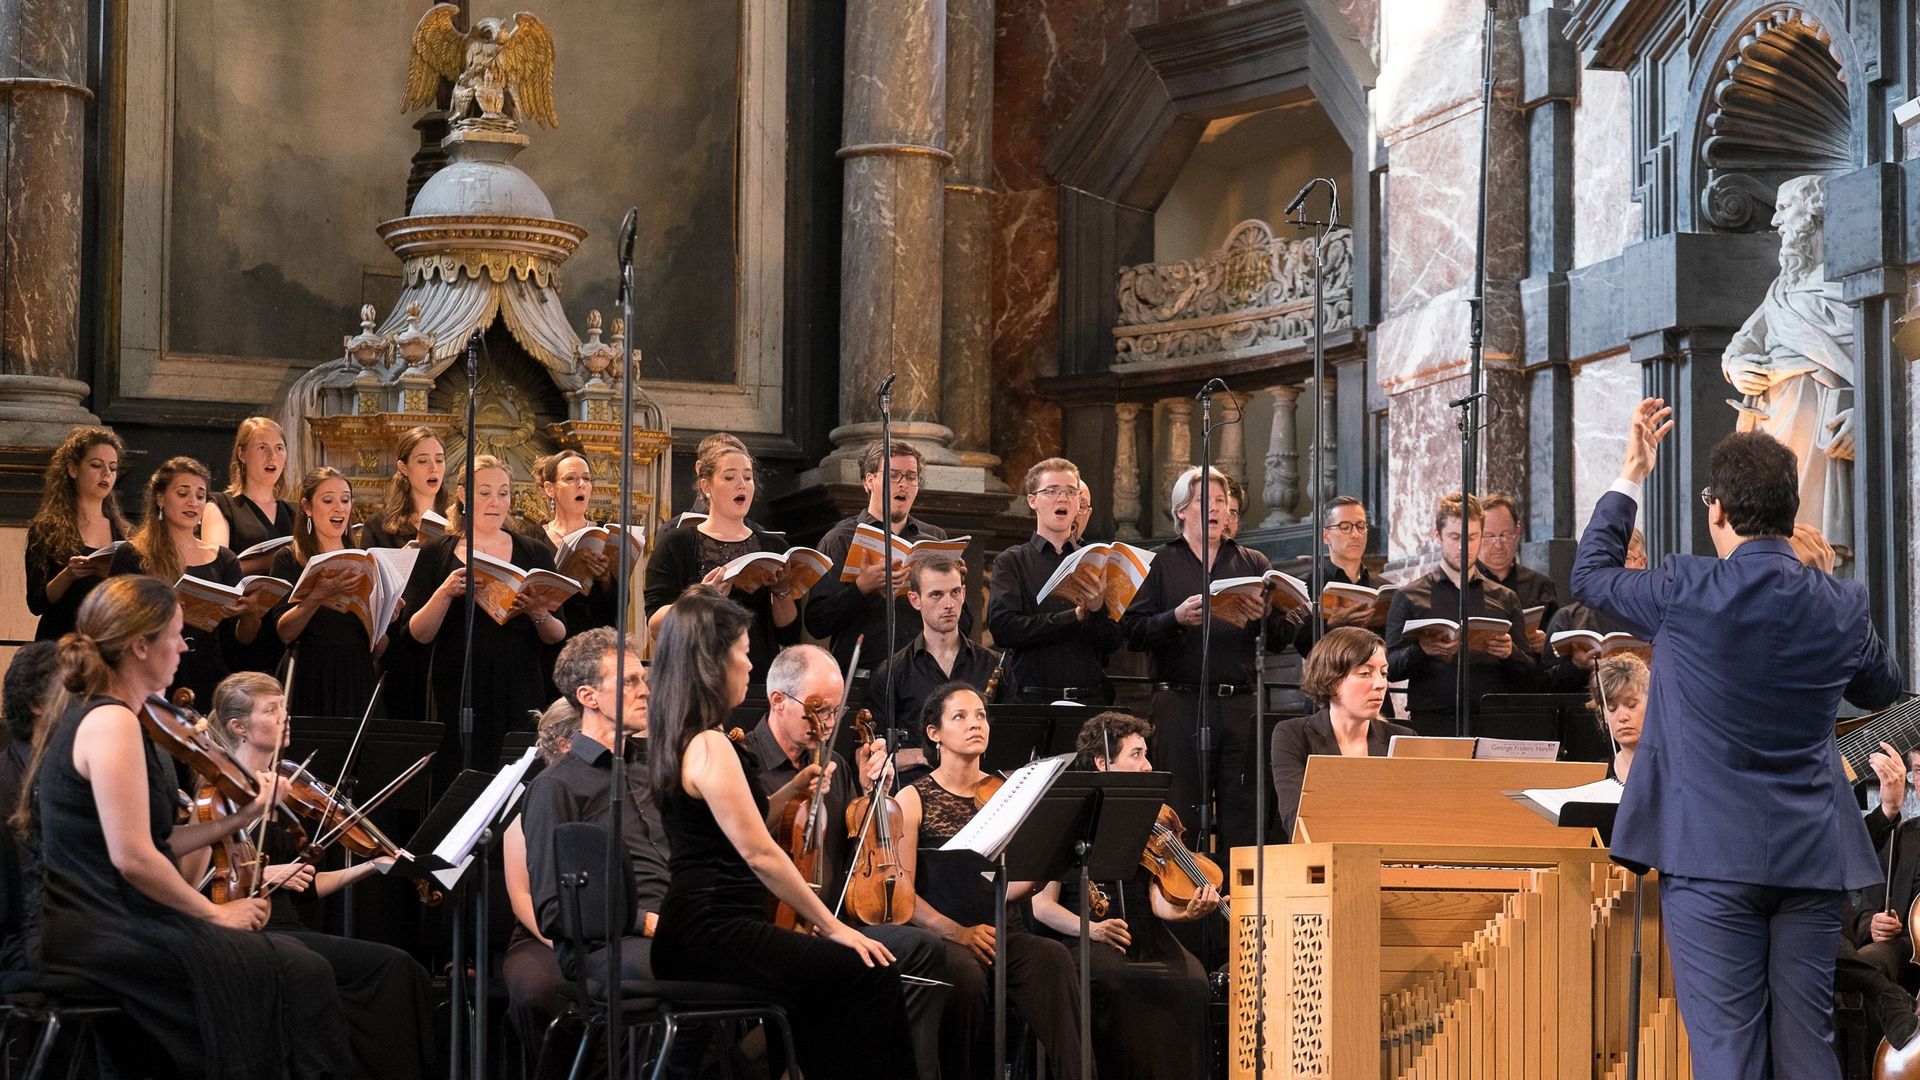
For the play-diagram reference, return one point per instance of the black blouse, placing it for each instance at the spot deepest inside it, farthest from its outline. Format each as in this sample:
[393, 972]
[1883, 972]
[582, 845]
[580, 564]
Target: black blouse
[683, 556]
[43, 565]
[247, 526]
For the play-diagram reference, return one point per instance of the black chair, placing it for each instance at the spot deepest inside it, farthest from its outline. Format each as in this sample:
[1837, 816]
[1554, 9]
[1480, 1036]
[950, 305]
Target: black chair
[647, 1005]
[42, 1002]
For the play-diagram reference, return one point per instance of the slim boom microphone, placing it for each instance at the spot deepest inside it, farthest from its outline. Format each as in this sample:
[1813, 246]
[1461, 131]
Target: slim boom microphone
[886, 384]
[629, 228]
[1294, 206]
[1207, 389]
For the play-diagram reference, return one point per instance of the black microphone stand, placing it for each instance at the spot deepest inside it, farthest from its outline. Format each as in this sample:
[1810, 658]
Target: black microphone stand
[1469, 404]
[468, 1032]
[1204, 727]
[616, 797]
[885, 394]
[1317, 466]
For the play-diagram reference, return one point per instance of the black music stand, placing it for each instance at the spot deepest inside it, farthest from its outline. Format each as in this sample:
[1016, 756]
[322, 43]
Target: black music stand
[1022, 733]
[388, 749]
[1560, 717]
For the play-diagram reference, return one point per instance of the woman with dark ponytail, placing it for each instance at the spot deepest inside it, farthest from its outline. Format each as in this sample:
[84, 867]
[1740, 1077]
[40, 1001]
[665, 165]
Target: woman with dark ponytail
[839, 988]
[219, 998]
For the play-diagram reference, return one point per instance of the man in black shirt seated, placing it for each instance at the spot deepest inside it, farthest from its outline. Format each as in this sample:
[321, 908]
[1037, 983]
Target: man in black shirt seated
[1500, 563]
[843, 612]
[1427, 660]
[1565, 671]
[804, 692]
[576, 787]
[1165, 621]
[1057, 648]
[937, 588]
[1876, 946]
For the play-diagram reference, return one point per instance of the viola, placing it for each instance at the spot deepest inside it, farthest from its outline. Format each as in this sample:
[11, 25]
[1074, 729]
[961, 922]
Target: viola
[802, 828]
[879, 885]
[236, 862]
[985, 790]
[338, 820]
[1181, 872]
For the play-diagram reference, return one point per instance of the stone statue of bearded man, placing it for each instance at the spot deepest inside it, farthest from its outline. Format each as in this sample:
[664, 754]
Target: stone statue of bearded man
[1793, 361]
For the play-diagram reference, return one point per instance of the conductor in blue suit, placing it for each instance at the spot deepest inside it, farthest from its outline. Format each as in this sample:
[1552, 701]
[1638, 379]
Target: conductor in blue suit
[1738, 796]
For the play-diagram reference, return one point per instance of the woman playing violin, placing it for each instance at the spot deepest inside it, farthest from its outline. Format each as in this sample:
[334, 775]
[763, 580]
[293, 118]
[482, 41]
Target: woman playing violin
[957, 903]
[385, 994]
[1150, 994]
[209, 991]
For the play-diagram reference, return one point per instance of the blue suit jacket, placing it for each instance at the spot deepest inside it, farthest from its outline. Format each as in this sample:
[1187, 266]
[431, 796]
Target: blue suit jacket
[1737, 777]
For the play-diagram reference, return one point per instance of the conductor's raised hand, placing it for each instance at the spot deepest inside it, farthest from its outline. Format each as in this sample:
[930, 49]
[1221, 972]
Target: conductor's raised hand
[1652, 421]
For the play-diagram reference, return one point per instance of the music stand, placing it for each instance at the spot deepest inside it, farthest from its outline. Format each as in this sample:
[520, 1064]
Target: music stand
[1563, 717]
[1022, 733]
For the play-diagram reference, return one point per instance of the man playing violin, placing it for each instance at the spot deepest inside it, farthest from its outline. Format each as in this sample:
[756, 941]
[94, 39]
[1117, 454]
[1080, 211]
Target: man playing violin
[385, 995]
[804, 694]
[1876, 942]
[1150, 994]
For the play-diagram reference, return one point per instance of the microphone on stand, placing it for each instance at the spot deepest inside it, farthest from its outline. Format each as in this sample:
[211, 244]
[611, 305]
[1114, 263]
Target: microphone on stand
[1207, 389]
[1300, 199]
[628, 230]
[886, 385]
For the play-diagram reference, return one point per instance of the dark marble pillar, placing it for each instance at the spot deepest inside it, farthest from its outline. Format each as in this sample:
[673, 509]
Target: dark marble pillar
[892, 223]
[43, 101]
[966, 325]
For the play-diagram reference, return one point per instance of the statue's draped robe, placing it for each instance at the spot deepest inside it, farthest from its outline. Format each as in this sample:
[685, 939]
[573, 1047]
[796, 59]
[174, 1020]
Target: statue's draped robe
[1803, 324]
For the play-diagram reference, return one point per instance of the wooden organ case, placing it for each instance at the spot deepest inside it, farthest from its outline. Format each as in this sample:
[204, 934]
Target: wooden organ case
[1425, 926]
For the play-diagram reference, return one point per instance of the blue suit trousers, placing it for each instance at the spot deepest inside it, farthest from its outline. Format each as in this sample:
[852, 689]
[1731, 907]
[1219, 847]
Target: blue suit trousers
[1753, 968]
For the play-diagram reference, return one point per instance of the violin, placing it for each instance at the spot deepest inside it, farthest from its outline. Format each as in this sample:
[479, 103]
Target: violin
[337, 819]
[1181, 872]
[985, 790]
[236, 862]
[879, 885]
[802, 829]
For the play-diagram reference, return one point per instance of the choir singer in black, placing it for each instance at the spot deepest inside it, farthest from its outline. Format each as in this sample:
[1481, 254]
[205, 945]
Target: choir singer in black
[1057, 648]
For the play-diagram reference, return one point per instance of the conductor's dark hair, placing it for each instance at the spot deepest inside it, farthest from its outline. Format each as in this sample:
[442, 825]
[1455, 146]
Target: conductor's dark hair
[689, 676]
[1756, 480]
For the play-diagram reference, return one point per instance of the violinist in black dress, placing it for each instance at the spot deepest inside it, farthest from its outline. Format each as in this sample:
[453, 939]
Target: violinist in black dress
[218, 998]
[333, 672]
[838, 986]
[78, 514]
[166, 547]
[385, 995]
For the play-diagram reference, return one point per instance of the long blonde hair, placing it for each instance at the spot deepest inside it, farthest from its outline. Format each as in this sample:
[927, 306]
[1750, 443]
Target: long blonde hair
[397, 514]
[55, 526]
[305, 543]
[235, 698]
[121, 611]
[158, 555]
[236, 472]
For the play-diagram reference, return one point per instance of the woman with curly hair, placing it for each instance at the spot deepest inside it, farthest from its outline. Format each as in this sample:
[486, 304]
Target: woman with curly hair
[78, 514]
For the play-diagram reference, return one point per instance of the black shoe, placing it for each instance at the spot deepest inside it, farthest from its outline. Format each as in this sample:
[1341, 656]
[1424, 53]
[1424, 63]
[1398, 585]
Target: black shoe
[1894, 1010]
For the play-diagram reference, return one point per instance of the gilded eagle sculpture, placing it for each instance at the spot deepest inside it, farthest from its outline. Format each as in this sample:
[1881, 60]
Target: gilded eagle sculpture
[501, 69]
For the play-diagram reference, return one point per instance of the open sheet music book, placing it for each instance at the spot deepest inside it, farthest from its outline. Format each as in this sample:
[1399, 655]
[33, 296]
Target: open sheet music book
[204, 603]
[496, 582]
[992, 829]
[1341, 596]
[433, 525]
[754, 570]
[1113, 570]
[380, 577]
[1288, 593]
[868, 544]
[456, 850]
[101, 558]
[264, 547]
[1551, 802]
[1480, 630]
[569, 560]
[1579, 642]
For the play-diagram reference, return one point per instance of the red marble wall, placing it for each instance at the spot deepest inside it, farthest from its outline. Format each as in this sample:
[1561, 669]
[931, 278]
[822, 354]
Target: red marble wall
[1046, 54]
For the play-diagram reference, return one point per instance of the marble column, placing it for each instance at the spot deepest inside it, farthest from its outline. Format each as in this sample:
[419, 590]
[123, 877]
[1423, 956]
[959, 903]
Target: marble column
[1126, 472]
[892, 222]
[966, 310]
[1177, 455]
[1283, 458]
[43, 103]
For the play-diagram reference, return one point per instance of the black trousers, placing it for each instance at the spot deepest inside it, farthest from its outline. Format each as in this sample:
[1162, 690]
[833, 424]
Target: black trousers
[1228, 768]
[922, 953]
[386, 1000]
[534, 995]
[1042, 986]
[1875, 971]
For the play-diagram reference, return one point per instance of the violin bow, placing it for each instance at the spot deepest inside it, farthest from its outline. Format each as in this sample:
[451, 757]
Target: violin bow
[260, 860]
[815, 817]
[359, 814]
[353, 748]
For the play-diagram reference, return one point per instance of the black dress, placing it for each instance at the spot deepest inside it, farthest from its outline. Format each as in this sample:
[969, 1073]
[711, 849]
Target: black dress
[385, 995]
[43, 565]
[223, 1004]
[1149, 1002]
[684, 556]
[246, 525]
[593, 608]
[508, 683]
[214, 654]
[404, 661]
[333, 670]
[849, 1019]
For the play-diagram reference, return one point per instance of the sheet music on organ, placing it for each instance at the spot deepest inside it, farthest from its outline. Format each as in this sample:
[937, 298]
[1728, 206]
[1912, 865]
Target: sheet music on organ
[992, 829]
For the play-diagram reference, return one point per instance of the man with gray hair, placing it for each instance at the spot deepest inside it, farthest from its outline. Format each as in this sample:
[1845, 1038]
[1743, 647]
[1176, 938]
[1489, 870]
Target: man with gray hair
[1166, 622]
[804, 694]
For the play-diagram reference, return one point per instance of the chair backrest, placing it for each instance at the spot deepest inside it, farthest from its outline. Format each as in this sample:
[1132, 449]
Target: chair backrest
[580, 861]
